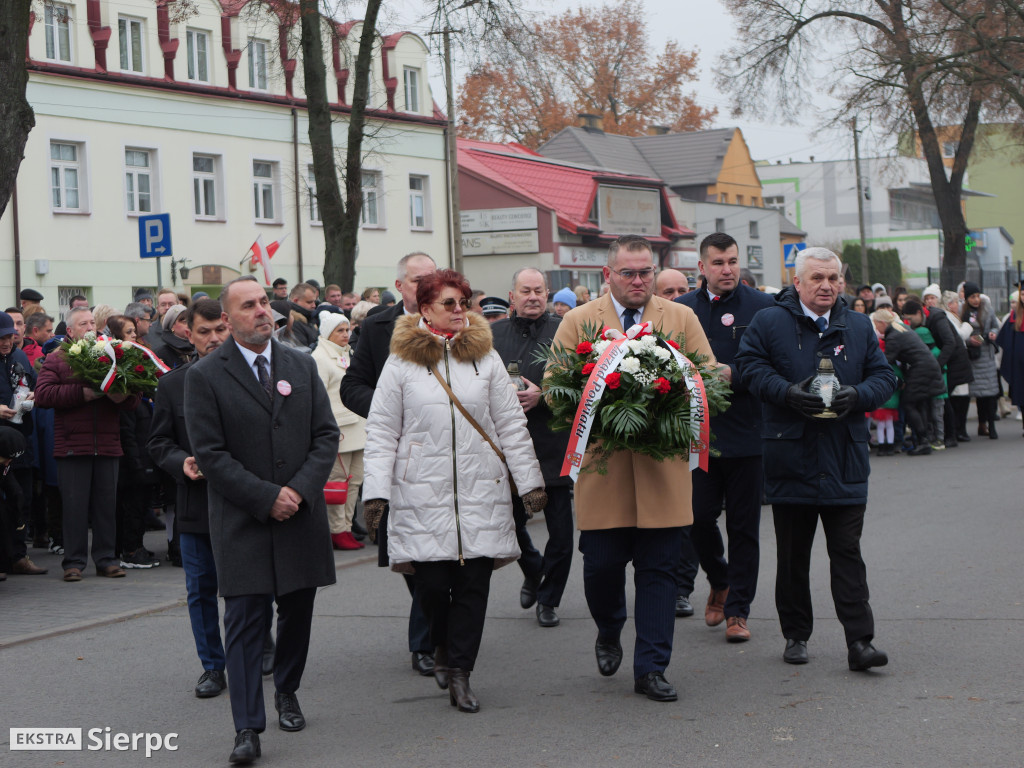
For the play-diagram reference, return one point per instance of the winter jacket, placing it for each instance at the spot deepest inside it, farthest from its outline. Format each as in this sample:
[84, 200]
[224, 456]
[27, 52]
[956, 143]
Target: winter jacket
[15, 368]
[813, 461]
[173, 350]
[1011, 341]
[736, 431]
[448, 491]
[921, 375]
[80, 428]
[952, 352]
[986, 376]
[519, 339]
[303, 329]
[332, 363]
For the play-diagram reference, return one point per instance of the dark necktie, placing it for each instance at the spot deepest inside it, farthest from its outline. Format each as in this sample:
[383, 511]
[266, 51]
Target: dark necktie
[628, 319]
[263, 369]
[822, 324]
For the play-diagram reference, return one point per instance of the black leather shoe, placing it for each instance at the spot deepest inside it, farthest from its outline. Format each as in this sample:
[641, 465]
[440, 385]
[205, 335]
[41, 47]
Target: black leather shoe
[655, 687]
[609, 656]
[423, 663]
[358, 531]
[211, 684]
[683, 607]
[796, 652]
[963, 437]
[546, 616]
[863, 655]
[528, 594]
[247, 747]
[441, 667]
[289, 716]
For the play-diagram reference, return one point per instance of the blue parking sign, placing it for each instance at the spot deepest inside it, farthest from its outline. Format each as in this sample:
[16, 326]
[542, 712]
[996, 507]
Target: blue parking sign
[155, 236]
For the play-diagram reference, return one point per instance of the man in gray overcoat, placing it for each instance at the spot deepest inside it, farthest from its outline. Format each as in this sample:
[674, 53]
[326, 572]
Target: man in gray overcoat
[265, 438]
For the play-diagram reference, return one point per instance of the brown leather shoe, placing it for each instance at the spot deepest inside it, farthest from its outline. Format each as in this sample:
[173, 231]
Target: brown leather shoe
[26, 567]
[111, 572]
[72, 574]
[714, 613]
[736, 630]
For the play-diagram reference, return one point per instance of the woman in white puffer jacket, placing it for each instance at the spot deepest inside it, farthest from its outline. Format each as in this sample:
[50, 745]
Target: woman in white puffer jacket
[450, 520]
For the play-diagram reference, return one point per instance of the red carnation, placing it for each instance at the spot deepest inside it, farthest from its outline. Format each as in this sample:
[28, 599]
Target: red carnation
[672, 344]
[140, 368]
[662, 384]
[118, 353]
[613, 380]
[584, 348]
[587, 369]
[104, 359]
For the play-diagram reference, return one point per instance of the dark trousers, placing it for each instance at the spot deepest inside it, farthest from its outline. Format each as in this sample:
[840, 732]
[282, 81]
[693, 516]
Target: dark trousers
[203, 611]
[54, 514]
[246, 618]
[737, 481]
[419, 627]
[961, 404]
[919, 417]
[130, 514]
[556, 562]
[795, 525]
[455, 602]
[654, 553]
[88, 489]
[21, 504]
[987, 407]
[687, 564]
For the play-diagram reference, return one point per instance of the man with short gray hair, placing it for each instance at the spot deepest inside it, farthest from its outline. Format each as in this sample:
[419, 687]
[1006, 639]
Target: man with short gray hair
[817, 467]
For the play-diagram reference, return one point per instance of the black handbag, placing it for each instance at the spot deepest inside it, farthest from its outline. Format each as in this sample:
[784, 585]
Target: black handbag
[974, 352]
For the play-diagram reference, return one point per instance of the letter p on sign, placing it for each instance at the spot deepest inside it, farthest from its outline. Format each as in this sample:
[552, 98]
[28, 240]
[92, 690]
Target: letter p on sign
[155, 236]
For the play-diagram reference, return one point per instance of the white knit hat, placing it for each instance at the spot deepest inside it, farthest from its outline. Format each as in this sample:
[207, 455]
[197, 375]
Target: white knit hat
[329, 321]
[932, 290]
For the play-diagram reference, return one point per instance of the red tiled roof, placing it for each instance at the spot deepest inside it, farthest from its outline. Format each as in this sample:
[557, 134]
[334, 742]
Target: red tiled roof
[566, 189]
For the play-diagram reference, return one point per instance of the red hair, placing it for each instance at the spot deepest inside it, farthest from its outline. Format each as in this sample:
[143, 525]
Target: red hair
[430, 286]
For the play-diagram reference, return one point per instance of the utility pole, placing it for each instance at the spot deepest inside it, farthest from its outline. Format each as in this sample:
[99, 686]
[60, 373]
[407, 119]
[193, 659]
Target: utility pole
[453, 158]
[860, 206]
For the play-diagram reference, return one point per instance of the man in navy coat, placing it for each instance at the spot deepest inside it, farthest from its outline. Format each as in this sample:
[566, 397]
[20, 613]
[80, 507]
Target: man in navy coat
[725, 308]
[817, 467]
[264, 437]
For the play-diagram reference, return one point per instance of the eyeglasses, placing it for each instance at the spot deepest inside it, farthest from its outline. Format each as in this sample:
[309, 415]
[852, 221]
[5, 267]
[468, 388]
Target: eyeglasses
[449, 304]
[629, 275]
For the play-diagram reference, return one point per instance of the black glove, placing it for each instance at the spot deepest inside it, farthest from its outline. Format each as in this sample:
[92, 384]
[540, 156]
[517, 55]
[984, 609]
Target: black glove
[802, 401]
[373, 511]
[845, 400]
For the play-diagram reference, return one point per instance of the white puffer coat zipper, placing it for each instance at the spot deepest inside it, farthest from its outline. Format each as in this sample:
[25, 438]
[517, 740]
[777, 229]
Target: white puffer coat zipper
[448, 491]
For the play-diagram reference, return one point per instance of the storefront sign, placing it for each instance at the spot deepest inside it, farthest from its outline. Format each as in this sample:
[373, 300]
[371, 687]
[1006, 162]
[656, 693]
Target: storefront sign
[488, 243]
[629, 211]
[499, 219]
[580, 256]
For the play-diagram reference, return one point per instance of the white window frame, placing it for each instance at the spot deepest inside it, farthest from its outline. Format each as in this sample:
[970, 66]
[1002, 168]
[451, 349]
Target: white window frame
[422, 194]
[57, 19]
[261, 186]
[315, 219]
[193, 58]
[132, 178]
[949, 149]
[754, 230]
[137, 67]
[263, 47]
[377, 189]
[216, 177]
[62, 165]
[411, 78]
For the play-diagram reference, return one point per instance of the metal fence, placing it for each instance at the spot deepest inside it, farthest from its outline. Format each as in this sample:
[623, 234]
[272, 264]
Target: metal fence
[997, 284]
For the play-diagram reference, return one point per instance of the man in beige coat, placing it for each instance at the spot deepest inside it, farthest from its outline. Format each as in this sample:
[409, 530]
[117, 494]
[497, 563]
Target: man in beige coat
[637, 510]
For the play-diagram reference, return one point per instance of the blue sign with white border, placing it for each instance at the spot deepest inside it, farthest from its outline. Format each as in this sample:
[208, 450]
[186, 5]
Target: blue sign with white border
[155, 236]
[789, 253]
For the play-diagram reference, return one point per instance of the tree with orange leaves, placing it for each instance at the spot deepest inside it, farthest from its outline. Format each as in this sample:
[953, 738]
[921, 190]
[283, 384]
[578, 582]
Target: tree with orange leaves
[536, 79]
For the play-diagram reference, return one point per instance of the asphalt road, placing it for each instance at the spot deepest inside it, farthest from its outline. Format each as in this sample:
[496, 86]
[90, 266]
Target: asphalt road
[942, 541]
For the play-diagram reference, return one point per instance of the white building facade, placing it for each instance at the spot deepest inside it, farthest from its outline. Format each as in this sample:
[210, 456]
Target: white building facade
[201, 115]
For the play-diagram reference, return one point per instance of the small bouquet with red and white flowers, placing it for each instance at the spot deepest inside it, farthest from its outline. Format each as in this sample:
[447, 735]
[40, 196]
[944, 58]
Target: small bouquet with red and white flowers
[110, 365]
[636, 391]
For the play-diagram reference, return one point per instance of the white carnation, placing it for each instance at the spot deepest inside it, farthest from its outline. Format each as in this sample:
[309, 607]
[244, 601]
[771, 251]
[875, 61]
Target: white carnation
[649, 341]
[601, 346]
[635, 346]
[630, 365]
[661, 353]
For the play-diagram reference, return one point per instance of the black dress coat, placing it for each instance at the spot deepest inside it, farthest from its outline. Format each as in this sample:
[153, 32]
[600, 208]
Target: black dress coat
[952, 350]
[922, 378]
[368, 360]
[249, 447]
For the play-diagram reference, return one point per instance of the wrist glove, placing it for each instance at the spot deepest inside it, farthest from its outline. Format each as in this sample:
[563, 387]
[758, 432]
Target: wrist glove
[802, 401]
[373, 511]
[535, 501]
[845, 400]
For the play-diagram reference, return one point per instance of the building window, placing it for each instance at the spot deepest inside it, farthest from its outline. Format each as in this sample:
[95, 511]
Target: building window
[755, 256]
[372, 213]
[257, 65]
[264, 182]
[204, 185]
[723, 198]
[753, 230]
[412, 89]
[138, 181]
[314, 204]
[129, 32]
[57, 25]
[66, 176]
[778, 202]
[719, 225]
[949, 149]
[419, 214]
[197, 45]
[739, 199]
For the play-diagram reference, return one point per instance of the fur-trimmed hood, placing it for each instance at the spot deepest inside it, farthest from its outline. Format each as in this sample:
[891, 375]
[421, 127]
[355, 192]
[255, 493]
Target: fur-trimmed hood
[414, 342]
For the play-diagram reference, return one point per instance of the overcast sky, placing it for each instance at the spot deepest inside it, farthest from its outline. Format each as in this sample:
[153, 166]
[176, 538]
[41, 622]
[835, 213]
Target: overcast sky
[701, 24]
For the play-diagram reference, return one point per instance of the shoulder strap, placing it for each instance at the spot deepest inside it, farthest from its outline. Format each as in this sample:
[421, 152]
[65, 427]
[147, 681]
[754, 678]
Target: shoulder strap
[472, 421]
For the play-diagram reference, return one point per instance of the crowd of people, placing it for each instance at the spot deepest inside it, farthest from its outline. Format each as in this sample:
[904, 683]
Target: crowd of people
[406, 396]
